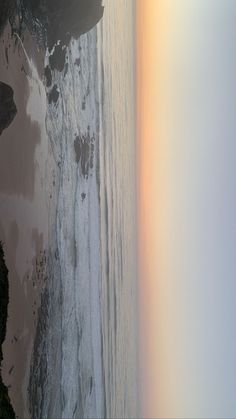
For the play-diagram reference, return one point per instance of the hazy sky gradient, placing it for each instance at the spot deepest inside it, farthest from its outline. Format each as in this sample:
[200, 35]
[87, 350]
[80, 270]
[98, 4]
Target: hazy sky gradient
[187, 186]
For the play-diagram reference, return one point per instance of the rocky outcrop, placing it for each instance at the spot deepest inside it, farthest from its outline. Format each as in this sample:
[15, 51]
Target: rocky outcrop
[54, 21]
[7, 106]
[62, 20]
[6, 410]
[84, 153]
[7, 12]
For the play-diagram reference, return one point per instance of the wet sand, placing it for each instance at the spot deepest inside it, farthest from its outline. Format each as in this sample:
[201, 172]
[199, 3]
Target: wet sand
[27, 199]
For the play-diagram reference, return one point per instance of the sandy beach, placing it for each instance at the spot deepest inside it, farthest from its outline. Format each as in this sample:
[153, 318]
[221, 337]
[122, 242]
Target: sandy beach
[27, 192]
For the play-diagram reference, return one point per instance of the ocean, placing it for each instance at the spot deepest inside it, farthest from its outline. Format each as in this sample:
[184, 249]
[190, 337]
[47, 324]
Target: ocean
[84, 361]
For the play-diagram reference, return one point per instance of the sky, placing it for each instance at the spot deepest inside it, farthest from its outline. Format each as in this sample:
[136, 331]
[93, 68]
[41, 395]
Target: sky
[186, 129]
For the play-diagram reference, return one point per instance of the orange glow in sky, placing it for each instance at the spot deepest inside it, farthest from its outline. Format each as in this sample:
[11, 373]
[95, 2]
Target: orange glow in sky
[147, 109]
[153, 23]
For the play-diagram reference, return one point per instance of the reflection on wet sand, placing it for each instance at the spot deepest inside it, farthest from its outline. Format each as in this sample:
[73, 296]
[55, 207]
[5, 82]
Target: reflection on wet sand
[18, 143]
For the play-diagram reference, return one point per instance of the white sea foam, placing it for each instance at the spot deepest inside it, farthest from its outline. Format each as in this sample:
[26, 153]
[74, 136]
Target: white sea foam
[70, 347]
[91, 373]
[78, 231]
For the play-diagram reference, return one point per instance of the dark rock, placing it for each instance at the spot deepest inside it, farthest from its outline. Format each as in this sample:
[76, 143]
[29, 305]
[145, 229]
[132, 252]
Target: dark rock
[84, 153]
[57, 59]
[77, 62]
[48, 76]
[6, 410]
[7, 8]
[53, 95]
[7, 106]
[55, 22]
[66, 18]
[63, 20]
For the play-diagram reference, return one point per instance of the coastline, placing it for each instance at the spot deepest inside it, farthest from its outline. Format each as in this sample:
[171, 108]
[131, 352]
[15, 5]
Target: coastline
[30, 172]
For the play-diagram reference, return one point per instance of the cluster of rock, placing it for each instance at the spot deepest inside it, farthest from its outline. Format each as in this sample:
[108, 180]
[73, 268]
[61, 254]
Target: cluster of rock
[7, 106]
[54, 21]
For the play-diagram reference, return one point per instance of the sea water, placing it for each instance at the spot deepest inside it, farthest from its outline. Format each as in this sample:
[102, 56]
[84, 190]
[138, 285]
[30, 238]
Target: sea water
[85, 357]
